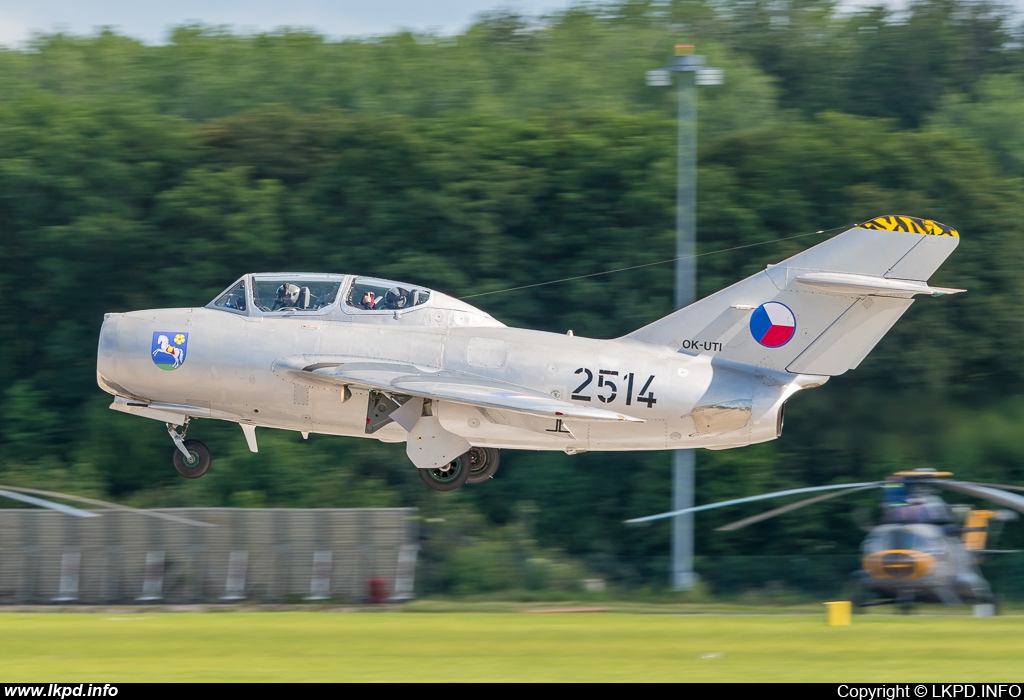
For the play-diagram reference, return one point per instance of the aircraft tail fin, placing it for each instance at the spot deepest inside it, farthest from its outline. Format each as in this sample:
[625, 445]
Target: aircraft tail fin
[820, 311]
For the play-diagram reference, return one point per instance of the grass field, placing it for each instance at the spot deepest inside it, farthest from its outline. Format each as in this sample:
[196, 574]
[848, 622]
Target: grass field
[112, 646]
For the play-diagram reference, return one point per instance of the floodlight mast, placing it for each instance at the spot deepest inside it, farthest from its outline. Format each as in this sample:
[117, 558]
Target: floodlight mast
[692, 72]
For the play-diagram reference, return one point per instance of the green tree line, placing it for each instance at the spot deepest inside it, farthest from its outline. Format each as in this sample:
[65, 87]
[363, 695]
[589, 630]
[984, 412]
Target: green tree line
[521, 151]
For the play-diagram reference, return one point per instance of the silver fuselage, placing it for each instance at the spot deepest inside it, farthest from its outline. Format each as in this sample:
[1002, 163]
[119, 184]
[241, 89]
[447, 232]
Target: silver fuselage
[235, 370]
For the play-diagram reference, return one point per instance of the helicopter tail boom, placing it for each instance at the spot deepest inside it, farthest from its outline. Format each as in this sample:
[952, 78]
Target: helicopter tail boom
[821, 311]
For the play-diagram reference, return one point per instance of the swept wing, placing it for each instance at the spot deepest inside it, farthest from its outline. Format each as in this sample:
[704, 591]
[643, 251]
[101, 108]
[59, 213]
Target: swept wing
[446, 385]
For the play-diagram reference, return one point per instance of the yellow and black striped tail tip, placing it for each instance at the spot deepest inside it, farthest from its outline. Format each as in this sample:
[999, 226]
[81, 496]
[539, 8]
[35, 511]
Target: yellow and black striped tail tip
[910, 224]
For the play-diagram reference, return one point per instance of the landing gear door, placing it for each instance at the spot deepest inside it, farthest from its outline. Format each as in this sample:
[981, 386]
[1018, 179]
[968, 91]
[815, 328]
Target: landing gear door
[379, 408]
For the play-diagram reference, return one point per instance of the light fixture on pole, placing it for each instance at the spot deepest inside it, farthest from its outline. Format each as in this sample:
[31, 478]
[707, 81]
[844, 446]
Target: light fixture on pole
[692, 72]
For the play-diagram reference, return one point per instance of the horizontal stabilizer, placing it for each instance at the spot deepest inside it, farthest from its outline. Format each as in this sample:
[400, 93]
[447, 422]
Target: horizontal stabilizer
[859, 285]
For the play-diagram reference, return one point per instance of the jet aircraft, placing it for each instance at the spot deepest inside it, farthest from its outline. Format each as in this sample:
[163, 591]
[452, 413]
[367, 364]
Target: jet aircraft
[344, 354]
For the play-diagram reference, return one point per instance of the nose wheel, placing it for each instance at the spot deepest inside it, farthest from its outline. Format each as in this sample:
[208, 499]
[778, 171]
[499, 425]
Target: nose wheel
[196, 464]
[191, 457]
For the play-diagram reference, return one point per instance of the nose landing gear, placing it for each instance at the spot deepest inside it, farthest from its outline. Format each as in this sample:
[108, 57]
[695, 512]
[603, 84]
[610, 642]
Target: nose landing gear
[191, 457]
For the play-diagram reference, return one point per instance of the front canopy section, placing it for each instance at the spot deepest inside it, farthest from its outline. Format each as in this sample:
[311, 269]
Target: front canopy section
[280, 293]
[288, 293]
[234, 299]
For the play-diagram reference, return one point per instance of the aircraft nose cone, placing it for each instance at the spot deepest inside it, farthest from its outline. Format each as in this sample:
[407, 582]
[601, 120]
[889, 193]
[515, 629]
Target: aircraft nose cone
[106, 353]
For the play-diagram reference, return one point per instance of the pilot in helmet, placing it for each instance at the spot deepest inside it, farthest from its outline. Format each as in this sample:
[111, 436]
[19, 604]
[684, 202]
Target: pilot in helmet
[397, 298]
[287, 295]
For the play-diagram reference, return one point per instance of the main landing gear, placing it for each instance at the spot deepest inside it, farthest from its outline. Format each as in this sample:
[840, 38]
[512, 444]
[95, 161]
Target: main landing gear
[191, 457]
[483, 462]
[474, 467]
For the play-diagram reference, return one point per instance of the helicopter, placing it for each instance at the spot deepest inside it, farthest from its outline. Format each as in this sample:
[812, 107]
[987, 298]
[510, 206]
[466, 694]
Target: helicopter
[922, 550]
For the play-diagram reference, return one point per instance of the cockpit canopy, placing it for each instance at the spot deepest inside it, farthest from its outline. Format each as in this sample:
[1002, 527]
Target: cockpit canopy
[918, 538]
[340, 297]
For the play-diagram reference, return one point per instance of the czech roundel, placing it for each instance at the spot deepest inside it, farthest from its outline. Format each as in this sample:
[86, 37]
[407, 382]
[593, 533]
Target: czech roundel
[772, 324]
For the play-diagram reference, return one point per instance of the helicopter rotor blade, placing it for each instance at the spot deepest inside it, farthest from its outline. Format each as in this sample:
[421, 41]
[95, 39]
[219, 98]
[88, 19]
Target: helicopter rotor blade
[996, 551]
[68, 510]
[787, 508]
[751, 499]
[21, 490]
[1003, 498]
[1007, 487]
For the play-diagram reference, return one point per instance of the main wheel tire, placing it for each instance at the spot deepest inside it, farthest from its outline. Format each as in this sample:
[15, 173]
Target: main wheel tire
[199, 464]
[483, 462]
[447, 478]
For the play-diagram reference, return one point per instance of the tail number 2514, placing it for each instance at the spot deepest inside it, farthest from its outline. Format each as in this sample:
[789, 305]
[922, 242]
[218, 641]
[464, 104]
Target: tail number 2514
[608, 390]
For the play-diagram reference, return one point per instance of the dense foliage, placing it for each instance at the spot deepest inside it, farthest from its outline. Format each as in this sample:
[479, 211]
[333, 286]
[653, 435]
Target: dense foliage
[521, 151]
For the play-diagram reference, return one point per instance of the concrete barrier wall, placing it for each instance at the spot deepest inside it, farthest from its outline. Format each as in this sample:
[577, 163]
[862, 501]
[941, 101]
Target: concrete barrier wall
[260, 554]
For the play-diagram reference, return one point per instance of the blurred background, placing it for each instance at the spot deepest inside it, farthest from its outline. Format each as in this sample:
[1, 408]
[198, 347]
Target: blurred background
[521, 148]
